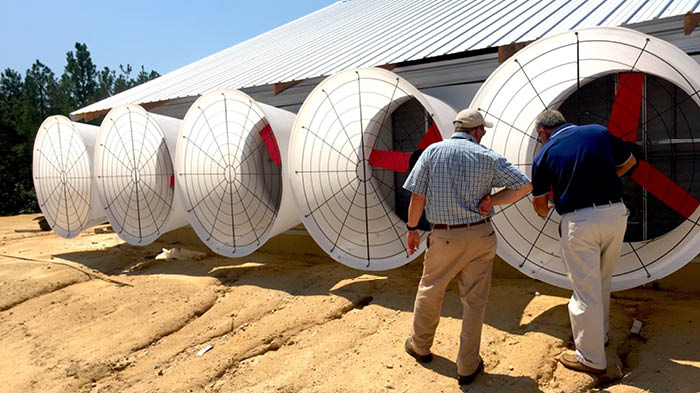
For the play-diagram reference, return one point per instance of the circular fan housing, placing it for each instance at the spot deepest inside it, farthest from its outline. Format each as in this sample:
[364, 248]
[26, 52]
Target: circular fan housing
[548, 73]
[62, 171]
[134, 173]
[347, 203]
[230, 171]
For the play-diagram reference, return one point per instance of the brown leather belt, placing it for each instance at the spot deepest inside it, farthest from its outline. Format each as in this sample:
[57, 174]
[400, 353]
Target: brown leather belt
[471, 224]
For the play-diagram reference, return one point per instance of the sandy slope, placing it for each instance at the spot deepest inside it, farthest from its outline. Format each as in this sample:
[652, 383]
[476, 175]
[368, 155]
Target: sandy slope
[92, 314]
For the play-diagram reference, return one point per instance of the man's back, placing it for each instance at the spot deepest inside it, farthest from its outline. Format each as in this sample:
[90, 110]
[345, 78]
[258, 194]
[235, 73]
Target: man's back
[579, 162]
[455, 174]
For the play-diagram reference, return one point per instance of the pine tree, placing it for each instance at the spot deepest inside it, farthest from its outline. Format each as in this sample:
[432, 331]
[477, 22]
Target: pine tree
[24, 104]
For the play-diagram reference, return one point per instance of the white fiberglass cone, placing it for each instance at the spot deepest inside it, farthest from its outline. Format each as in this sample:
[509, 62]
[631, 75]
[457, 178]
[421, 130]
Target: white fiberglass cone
[230, 157]
[545, 74]
[62, 171]
[134, 173]
[347, 201]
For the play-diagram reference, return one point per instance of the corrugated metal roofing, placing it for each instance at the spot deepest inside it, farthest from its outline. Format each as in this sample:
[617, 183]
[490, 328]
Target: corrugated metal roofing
[363, 33]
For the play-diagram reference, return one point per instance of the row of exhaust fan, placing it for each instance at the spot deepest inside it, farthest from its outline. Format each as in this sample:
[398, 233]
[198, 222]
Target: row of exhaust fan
[240, 171]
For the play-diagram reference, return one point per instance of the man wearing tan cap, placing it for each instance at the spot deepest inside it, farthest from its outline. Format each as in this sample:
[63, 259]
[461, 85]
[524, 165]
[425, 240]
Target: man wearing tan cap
[452, 180]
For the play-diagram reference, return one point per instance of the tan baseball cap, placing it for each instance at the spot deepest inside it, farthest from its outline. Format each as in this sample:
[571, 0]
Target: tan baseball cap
[470, 118]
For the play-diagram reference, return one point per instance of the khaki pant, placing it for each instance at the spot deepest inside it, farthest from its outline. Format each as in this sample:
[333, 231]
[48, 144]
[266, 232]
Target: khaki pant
[467, 254]
[590, 243]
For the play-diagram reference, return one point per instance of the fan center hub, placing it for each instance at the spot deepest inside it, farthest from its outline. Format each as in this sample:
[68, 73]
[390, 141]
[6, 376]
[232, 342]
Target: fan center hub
[229, 173]
[363, 170]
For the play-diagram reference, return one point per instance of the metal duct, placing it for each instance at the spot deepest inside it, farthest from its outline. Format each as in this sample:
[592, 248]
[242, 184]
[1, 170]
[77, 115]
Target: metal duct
[543, 75]
[62, 170]
[230, 159]
[348, 157]
[134, 173]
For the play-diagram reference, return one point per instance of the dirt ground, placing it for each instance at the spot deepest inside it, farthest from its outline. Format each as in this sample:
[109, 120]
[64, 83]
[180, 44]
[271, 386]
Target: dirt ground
[93, 314]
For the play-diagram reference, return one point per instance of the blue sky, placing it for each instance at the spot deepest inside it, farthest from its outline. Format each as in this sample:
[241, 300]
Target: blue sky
[158, 34]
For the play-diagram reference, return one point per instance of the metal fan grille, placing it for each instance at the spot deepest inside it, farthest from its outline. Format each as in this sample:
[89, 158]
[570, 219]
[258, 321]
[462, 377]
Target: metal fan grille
[230, 185]
[347, 204]
[62, 176]
[134, 173]
[545, 75]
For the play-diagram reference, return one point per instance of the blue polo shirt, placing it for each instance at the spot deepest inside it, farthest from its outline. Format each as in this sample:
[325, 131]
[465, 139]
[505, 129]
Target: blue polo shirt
[578, 164]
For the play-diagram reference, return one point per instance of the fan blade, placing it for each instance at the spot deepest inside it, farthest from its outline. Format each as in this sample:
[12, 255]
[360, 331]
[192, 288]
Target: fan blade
[271, 144]
[665, 189]
[624, 118]
[433, 135]
[398, 161]
[392, 160]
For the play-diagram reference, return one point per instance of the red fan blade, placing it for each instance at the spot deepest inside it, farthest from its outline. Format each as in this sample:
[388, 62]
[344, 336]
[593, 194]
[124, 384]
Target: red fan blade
[665, 189]
[433, 135]
[397, 161]
[271, 144]
[392, 160]
[624, 118]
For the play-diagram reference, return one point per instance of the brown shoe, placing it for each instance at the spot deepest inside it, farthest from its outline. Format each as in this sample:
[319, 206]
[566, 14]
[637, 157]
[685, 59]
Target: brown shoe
[467, 379]
[420, 358]
[569, 361]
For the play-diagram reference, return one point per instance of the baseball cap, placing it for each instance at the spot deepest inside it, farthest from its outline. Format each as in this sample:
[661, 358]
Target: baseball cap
[470, 118]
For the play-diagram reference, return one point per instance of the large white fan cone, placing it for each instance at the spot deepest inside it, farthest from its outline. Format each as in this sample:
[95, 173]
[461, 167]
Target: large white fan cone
[62, 171]
[544, 74]
[134, 173]
[231, 180]
[346, 204]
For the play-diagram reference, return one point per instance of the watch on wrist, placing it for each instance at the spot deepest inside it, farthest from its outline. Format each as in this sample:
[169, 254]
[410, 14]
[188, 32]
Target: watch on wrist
[410, 228]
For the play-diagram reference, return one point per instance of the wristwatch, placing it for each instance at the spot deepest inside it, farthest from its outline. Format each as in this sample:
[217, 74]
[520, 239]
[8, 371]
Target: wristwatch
[410, 228]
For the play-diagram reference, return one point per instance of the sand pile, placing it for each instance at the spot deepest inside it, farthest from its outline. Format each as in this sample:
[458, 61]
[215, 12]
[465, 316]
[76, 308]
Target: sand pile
[93, 314]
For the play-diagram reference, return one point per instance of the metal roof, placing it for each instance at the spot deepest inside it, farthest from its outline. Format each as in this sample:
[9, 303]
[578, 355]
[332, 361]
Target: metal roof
[363, 33]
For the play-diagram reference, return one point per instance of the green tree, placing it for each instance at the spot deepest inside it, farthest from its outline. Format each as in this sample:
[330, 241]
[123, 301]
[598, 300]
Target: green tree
[105, 83]
[10, 104]
[36, 104]
[16, 194]
[80, 77]
[25, 104]
[144, 76]
[124, 81]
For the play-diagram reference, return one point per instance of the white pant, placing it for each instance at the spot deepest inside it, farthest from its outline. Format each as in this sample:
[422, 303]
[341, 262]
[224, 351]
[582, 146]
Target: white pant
[590, 243]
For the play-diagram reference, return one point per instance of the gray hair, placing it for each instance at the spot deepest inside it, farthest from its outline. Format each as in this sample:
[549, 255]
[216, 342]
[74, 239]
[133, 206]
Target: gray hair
[466, 130]
[549, 120]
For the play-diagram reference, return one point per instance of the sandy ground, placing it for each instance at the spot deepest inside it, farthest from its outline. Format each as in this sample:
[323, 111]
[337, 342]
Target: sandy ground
[93, 314]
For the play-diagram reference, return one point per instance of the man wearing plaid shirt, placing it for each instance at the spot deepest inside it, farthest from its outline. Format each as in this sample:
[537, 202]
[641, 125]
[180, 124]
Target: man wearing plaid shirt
[453, 180]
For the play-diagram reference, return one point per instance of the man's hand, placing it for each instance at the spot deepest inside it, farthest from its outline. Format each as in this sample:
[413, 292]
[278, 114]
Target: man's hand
[541, 205]
[485, 205]
[626, 166]
[413, 242]
[415, 209]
